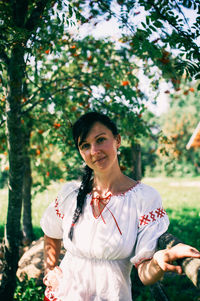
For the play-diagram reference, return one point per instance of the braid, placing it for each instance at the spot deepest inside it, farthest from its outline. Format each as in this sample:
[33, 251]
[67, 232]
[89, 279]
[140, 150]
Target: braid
[86, 186]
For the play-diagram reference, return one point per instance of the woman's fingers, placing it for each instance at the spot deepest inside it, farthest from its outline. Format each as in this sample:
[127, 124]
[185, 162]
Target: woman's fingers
[164, 258]
[52, 277]
[58, 271]
[181, 251]
[172, 268]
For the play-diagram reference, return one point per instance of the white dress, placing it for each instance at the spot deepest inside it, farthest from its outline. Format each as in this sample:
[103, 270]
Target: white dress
[98, 261]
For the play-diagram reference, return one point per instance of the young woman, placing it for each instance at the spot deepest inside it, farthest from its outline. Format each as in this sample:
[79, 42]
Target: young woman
[108, 224]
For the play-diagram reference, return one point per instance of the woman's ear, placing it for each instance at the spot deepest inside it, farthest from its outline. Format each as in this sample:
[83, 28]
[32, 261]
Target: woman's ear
[118, 139]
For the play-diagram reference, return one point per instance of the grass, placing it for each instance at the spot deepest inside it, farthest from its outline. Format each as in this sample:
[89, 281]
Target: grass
[181, 200]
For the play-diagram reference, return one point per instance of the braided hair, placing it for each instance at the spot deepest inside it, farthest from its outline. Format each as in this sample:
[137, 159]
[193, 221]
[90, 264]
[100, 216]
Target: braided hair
[80, 131]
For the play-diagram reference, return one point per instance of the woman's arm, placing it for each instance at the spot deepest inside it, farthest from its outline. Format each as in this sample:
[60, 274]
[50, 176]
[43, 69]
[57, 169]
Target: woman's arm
[52, 248]
[152, 270]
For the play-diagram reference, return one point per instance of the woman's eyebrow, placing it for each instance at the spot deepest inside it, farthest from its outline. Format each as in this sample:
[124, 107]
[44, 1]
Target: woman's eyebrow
[103, 133]
[85, 141]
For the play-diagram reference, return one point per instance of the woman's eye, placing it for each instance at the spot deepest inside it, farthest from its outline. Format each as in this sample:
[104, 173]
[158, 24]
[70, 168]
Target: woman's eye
[85, 146]
[100, 139]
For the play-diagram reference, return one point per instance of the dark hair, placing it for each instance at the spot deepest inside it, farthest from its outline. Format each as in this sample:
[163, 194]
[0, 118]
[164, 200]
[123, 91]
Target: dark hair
[80, 130]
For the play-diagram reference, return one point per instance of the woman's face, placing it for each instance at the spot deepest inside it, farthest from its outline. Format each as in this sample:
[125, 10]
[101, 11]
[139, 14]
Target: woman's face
[99, 149]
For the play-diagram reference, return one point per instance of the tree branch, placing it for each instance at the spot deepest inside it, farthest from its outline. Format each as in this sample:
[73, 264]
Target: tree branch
[3, 56]
[36, 14]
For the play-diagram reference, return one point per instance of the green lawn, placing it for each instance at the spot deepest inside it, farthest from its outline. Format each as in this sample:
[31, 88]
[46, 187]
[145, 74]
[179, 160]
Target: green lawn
[181, 200]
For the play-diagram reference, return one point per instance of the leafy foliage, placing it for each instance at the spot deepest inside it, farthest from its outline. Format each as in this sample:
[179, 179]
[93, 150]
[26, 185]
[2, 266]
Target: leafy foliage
[176, 127]
[164, 26]
[28, 290]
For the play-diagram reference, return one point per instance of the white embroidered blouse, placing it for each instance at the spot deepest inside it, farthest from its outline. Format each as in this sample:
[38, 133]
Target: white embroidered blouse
[98, 261]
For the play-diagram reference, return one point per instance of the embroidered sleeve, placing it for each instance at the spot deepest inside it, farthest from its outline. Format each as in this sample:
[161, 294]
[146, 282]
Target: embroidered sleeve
[152, 223]
[57, 209]
[52, 219]
[151, 216]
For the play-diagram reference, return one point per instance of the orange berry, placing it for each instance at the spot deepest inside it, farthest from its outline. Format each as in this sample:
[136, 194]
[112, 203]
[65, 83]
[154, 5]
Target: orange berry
[73, 108]
[47, 51]
[125, 83]
[191, 89]
[38, 151]
[47, 173]
[57, 125]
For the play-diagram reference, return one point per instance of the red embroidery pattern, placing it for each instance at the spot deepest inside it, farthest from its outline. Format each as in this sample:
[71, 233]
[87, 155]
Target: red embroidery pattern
[141, 260]
[160, 212]
[59, 214]
[144, 220]
[151, 216]
[49, 295]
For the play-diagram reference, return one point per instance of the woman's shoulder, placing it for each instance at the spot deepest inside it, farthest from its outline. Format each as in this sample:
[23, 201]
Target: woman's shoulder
[66, 198]
[148, 190]
[142, 189]
[69, 187]
[145, 196]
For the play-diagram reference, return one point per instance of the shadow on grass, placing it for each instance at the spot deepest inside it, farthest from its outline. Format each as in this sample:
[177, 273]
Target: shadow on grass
[1, 232]
[185, 225]
[36, 230]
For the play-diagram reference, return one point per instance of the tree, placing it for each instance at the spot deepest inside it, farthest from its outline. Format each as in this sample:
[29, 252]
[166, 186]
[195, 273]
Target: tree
[178, 125]
[23, 25]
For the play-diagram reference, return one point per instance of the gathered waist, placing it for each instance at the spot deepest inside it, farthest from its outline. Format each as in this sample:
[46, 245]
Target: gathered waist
[95, 259]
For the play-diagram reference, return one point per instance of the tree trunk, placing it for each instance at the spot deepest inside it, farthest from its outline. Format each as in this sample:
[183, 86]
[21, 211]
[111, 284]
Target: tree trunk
[27, 227]
[16, 168]
[137, 165]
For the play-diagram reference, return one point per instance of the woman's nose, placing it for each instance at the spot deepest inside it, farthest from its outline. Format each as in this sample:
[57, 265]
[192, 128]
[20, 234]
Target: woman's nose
[94, 149]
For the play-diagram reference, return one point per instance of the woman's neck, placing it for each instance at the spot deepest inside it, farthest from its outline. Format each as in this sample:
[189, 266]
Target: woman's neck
[112, 182]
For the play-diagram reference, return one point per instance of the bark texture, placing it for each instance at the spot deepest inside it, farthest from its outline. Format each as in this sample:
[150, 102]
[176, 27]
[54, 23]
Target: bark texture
[27, 227]
[137, 163]
[16, 168]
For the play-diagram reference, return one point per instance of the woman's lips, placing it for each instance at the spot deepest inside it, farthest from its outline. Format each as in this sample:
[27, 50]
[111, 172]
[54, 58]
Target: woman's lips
[99, 160]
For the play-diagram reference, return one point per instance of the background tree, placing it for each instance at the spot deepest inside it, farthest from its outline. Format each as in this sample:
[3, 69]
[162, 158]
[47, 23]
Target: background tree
[20, 22]
[164, 149]
[178, 125]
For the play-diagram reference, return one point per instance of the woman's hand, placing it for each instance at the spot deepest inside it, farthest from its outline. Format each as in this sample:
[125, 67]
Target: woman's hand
[52, 278]
[164, 258]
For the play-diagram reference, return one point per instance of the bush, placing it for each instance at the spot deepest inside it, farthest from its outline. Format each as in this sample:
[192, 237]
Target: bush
[27, 290]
